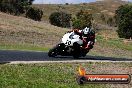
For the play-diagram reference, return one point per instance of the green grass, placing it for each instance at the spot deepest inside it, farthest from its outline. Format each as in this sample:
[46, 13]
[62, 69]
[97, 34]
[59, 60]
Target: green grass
[112, 47]
[115, 43]
[54, 75]
[26, 47]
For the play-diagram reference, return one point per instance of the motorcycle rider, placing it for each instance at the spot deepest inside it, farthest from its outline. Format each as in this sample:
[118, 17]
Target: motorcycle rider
[88, 37]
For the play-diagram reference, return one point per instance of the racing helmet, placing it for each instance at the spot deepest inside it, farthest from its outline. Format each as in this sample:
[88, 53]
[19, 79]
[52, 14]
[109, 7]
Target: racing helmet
[86, 30]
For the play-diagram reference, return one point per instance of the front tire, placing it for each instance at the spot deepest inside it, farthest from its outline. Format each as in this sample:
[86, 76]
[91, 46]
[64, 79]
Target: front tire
[56, 50]
[53, 52]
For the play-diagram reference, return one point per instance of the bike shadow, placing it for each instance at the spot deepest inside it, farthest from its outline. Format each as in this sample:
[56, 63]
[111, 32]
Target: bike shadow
[94, 58]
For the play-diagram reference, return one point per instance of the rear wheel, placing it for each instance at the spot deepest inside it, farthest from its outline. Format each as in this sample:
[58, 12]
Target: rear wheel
[76, 52]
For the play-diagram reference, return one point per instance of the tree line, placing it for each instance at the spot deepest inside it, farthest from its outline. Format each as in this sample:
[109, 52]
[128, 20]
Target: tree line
[62, 19]
[122, 19]
[18, 7]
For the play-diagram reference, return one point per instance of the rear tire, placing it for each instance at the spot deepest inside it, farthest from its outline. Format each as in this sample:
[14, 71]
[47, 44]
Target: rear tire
[76, 52]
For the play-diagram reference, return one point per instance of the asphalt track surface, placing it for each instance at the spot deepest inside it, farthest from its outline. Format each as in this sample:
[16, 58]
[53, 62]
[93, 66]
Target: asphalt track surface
[14, 56]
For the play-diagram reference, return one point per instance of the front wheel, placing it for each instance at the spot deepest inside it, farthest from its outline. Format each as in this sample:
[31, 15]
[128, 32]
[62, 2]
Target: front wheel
[53, 52]
[56, 50]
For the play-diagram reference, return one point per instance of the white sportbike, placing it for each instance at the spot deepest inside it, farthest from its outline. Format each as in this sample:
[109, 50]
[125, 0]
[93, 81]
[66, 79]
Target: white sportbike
[71, 45]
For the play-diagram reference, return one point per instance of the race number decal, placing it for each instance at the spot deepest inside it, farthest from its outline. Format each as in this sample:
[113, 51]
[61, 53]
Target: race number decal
[68, 42]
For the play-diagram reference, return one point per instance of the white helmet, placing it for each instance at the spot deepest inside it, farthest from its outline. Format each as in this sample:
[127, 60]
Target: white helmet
[86, 30]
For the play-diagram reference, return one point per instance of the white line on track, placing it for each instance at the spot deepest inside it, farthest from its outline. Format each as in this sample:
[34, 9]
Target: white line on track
[66, 61]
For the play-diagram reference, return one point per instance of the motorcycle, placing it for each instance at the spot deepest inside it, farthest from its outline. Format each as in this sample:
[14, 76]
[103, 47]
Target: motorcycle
[71, 45]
